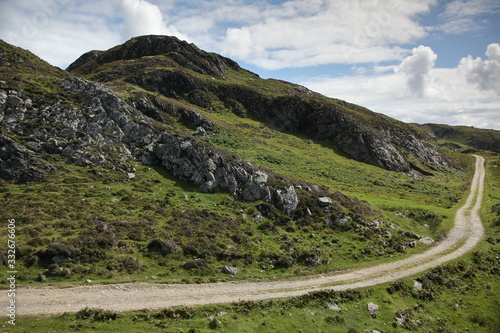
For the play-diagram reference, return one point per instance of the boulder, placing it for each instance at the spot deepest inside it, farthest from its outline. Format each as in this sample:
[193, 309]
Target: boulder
[325, 201]
[334, 307]
[372, 308]
[426, 240]
[256, 188]
[286, 199]
[229, 270]
[417, 285]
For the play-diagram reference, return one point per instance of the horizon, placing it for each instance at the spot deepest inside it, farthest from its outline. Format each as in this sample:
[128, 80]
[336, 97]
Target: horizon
[432, 62]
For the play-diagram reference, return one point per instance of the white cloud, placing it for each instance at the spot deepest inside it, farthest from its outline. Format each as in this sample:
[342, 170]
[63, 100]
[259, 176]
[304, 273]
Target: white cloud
[324, 32]
[416, 69]
[59, 31]
[143, 18]
[419, 92]
[484, 73]
[461, 15]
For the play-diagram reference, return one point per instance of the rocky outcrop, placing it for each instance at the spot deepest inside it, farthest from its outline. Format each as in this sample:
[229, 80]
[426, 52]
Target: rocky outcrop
[104, 130]
[362, 134]
[180, 54]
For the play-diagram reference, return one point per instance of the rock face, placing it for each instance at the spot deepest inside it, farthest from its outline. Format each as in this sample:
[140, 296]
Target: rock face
[360, 133]
[180, 53]
[110, 124]
[90, 125]
[99, 129]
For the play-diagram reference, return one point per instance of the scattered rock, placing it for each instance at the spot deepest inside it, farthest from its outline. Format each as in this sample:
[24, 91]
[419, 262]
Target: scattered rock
[308, 212]
[200, 131]
[286, 199]
[412, 244]
[400, 319]
[60, 259]
[417, 285]
[426, 240]
[256, 188]
[229, 270]
[131, 175]
[373, 309]
[401, 248]
[325, 201]
[334, 307]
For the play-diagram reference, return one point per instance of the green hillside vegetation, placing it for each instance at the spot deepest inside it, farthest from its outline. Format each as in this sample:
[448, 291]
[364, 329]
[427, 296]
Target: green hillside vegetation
[125, 221]
[461, 296]
[465, 137]
[119, 229]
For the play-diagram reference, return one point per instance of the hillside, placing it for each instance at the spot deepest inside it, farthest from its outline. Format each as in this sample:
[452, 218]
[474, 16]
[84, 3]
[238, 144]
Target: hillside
[466, 137]
[178, 70]
[157, 158]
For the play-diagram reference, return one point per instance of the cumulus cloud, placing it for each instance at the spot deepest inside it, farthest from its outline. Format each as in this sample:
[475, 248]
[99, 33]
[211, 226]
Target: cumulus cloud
[419, 92]
[484, 73]
[59, 31]
[416, 68]
[143, 18]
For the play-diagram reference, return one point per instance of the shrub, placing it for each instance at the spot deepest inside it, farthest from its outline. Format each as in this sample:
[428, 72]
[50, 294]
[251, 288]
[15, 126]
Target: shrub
[163, 247]
[195, 264]
[96, 314]
[337, 320]
[177, 313]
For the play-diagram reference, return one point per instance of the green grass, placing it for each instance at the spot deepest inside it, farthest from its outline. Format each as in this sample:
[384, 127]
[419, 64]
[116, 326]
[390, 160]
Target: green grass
[461, 296]
[71, 204]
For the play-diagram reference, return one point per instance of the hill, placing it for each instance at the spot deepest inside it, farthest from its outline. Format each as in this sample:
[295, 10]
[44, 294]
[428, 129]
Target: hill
[158, 158]
[466, 137]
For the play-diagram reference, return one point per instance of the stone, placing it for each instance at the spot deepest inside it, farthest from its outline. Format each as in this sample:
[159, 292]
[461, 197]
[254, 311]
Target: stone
[60, 259]
[200, 131]
[325, 201]
[400, 319]
[334, 307]
[426, 240]
[286, 199]
[256, 188]
[131, 175]
[412, 244]
[417, 285]
[373, 309]
[308, 212]
[229, 270]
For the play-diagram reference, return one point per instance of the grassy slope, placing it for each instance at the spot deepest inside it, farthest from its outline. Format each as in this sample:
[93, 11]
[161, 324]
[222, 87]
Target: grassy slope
[153, 205]
[462, 296]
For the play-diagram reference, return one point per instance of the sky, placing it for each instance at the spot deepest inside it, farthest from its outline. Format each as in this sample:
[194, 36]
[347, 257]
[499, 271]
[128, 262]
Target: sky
[422, 61]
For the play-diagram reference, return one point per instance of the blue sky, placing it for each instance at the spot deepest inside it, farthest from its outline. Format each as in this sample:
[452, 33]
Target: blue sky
[415, 60]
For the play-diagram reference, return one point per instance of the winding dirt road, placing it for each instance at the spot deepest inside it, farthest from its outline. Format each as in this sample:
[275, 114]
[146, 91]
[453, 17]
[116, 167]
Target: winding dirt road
[466, 233]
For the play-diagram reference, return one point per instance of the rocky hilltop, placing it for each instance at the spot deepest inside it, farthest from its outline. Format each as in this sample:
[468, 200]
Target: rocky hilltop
[126, 104]
[179, 70]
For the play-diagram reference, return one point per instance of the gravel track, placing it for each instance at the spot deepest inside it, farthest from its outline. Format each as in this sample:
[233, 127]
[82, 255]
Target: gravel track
[466, 233]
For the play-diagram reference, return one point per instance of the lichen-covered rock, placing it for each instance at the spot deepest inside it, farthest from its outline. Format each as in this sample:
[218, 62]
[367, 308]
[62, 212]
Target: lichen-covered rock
[286, 199]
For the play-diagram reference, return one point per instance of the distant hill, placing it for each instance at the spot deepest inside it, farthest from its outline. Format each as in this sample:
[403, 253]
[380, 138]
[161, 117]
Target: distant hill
[484, 139]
